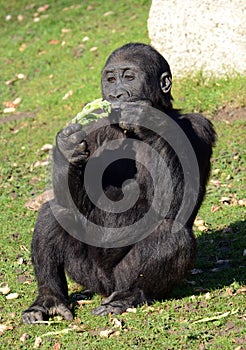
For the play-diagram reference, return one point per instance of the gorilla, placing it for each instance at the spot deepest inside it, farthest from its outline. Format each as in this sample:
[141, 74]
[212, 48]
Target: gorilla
[126, 238]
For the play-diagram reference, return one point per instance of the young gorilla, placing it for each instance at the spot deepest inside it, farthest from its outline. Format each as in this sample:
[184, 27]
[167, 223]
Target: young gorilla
[132, 272]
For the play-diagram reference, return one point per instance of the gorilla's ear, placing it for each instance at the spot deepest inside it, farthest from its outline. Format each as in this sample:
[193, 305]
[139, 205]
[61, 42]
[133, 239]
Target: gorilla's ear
[166, 82]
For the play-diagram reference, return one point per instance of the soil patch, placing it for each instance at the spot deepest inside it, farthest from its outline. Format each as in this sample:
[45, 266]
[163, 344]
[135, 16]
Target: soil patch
[17, 116]
[230, 114]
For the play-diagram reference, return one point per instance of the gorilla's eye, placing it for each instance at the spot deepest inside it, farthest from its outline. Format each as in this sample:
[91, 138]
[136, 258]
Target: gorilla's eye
[111, 79]
[129, 77]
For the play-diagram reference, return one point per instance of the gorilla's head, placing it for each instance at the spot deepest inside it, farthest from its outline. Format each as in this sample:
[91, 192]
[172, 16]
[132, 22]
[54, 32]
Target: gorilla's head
[137, 72]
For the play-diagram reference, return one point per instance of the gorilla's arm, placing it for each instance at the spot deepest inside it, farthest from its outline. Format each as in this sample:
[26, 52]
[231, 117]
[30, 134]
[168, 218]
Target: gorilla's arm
[69, 160]
[202, 137]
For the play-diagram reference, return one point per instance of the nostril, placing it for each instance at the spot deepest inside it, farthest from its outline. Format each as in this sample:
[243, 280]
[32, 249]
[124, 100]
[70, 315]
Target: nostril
[114, 97]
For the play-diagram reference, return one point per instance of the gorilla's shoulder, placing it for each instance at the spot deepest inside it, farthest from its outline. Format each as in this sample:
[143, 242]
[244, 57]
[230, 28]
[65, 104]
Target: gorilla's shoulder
[201, 125]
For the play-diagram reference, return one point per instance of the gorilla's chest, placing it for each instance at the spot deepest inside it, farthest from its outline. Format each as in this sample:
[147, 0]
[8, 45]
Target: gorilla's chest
[114, 162]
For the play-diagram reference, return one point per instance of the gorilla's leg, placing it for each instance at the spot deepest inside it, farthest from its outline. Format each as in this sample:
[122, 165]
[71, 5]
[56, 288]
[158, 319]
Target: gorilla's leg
[48, 259]
[151, 268]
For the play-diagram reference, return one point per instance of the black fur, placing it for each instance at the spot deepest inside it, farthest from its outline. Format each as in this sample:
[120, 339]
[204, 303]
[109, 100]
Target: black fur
[145, 270]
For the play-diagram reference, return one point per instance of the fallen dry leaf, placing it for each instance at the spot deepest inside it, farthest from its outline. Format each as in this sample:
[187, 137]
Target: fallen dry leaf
[41, 163]
[4, 289]
[115, 334]
[106, 333]
[116, 322]
[17, 101]
[9, 110]
[215, 208]
[11, 105]
[8, 104]
[20, 18]
[93, 49]
[131, 309]
[23, 248]
[149, 308]
[202, 228]
[37, 343]
[22, 47]
[12, 296]
[216, 171]
[57, 346]
[53, 42]
[229, 200]
[10, 82]
[47, 147]
[241, 290]
[24, 337]
[109, 13]
[65, 30]
[199, 222]
[85, 302]
[228, 292]
[4, 327]
[21, 76]
[20, 261]
[216, 183]
[43, 8]
[67, 95]
[35, 180]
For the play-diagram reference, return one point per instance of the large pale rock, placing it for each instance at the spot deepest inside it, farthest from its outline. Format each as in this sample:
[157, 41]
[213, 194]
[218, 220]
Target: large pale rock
[198, 35]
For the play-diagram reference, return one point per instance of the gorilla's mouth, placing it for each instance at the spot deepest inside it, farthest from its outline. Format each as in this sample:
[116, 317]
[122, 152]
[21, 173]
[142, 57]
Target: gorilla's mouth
[126, 127]
[115, 116]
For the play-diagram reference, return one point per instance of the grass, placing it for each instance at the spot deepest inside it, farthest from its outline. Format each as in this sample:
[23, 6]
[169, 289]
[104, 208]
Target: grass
[56, 60]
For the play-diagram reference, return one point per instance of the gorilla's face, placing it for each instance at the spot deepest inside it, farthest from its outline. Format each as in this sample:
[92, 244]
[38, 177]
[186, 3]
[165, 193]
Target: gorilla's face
[123, 82]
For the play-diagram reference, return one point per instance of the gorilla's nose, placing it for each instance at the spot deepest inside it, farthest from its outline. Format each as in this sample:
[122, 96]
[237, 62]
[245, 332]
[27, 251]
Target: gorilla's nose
[119, 96]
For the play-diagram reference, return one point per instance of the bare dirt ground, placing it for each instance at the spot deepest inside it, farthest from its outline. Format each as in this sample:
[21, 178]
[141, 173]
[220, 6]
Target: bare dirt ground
[230, 114]
[17, 116]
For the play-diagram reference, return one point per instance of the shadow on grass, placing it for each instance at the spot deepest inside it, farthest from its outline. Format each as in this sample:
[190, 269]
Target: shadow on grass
[220, 261]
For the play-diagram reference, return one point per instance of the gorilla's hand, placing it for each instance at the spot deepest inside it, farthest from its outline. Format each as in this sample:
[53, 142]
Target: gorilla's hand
[45, 306]
[133, 115]
[70, 141]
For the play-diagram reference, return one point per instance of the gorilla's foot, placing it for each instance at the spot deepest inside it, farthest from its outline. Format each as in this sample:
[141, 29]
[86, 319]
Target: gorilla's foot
[119, 302]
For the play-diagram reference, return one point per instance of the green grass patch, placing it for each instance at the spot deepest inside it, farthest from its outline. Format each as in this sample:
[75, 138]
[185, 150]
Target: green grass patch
[59, 52]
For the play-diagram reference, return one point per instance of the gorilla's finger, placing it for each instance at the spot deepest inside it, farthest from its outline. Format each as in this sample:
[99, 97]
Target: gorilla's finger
[76, 137]
[70, 129]
[64, 312]
[32, 317]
